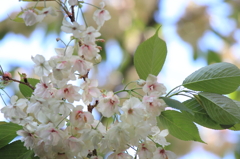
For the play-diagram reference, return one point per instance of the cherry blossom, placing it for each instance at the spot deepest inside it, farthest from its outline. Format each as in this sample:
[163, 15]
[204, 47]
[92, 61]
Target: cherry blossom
[108, 104]
[88, 51]
[146, 149]
[153, 87]
[90, 90]
[41, 67]
[159, 136]
[161, 153]
[101, 15]
[15, 111]
[73, 28]
[69, 92]
[90, 35]
[153, 104]
[30, 17]
[56, 126]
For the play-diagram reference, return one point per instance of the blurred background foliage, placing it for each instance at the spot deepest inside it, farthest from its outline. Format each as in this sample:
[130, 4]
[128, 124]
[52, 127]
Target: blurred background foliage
[133, 21]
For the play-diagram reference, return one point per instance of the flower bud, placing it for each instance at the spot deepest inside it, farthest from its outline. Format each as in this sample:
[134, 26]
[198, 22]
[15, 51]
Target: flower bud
[141, 82]
[98, 58]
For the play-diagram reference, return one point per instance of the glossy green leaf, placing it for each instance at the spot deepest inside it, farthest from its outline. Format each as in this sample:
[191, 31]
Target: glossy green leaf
[200, 115]
[221, 109]
[8, 133]
[16, 150]
[150, 56]
[236, 127]
[27, 91]
[176, 104]
[221, 78]
[213, 57]
[179, 125]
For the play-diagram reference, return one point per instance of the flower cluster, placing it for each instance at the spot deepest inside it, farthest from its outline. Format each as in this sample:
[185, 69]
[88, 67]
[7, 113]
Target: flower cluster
[55, 127]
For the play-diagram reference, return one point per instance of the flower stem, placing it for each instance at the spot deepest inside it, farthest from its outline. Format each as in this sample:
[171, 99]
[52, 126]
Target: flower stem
[3, 99]
[172, 91]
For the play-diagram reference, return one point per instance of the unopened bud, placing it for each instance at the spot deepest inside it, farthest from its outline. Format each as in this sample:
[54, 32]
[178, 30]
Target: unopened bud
[100, 40]
[6, 76]
[57, 39]
[141, 82]
[99, 47]
[98, 58]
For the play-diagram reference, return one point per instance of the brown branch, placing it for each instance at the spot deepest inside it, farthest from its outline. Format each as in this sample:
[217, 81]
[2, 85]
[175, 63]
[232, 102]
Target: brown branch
[90, 107]
[27, 84]
[73, 14]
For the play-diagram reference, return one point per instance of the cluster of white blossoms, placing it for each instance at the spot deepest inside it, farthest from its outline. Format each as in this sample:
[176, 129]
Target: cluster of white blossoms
[53, 127]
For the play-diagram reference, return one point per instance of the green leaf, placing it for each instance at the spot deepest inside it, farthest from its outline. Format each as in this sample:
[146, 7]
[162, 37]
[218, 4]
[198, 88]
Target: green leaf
[8, 133]
[221, 109]
[179, 125]
[150, 56]
[200, 115]
[236, 127]
[176, 104]
[221, 78]
[213, 57]
[27, 91]
[16, 150]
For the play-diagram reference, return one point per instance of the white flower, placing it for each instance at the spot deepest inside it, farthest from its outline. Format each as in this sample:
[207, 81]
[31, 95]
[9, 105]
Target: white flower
[82, 66]
[90, 90]
[41, 67]
[138, 132]
[117, 137]
[30, 17]
[90, 35]
[108, 104]
[68, 51]
[146, 149]
[60, 106]
[73, 28]
[79, 118]
[101, 15]
[119, 155]
[39, 107]
[160, 153]
[133, 111]
[74, 144]
[153, 87]
[51, 135]
[43, 89]
[159, 136]
[91, 138]
[153, 104]
[27, 137]
[47, 11]
[15, 111]
[69, 92]
[88, 51]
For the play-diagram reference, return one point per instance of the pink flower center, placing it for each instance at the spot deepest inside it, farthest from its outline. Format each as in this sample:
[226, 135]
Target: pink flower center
[66, 90]
[45, 86]
[102, 11]
[151, 87]
[53, 130]
[112, 102]
[130, 111]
